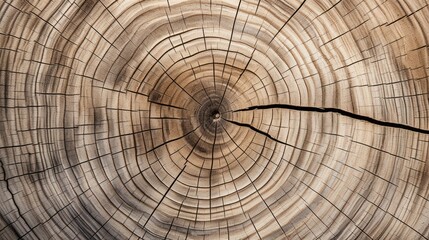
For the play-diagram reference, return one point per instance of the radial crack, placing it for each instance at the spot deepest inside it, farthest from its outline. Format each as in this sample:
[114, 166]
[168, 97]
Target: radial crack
[211, 171]
[229, 47]
[287, 21]
[265, 134]
[166, 105]
[172, 140]
[164, 195]
[339, 111]
[14, 200]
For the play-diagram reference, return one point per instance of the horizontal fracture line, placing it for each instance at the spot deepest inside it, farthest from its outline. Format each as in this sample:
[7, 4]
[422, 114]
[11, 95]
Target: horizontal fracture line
[336, 110]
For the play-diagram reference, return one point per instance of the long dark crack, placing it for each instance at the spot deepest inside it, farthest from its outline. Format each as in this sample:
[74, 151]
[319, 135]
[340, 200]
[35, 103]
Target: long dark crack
[336, 110]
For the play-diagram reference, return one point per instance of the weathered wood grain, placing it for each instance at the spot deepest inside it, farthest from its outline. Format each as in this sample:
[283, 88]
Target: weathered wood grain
[292, 119]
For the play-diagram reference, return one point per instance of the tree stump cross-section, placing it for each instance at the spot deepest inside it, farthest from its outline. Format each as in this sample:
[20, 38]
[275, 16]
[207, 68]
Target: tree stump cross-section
[244, 119]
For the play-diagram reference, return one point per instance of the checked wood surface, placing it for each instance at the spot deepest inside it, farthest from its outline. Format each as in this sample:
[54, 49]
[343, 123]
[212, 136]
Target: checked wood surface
[209, 119]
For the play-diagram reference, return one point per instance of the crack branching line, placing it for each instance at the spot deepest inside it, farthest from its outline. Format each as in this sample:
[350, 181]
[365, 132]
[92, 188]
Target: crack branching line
[266, 134]
[256, 130]
[339, 111]
[252, 181]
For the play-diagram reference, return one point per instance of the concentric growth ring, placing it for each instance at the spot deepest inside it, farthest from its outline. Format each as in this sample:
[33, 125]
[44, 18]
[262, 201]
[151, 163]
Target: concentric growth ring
[293, 119]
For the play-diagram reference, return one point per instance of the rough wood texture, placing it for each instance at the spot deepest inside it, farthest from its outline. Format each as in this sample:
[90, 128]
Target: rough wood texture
[293, 119]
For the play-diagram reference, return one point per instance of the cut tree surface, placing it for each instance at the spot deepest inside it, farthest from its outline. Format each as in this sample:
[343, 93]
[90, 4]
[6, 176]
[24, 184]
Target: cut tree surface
[198, 119]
